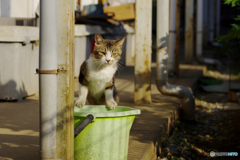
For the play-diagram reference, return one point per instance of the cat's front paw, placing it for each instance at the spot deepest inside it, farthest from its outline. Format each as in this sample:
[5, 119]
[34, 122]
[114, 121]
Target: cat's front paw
[111, 104]
[80, 103]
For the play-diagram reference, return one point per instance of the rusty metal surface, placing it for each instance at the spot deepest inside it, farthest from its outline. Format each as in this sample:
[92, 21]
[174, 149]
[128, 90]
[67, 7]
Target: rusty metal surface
[173, 38]
[47, 71]
[177, 39]
[130, 49]
[199, 30]
[188, 45]
[65, 126]
[143, 51]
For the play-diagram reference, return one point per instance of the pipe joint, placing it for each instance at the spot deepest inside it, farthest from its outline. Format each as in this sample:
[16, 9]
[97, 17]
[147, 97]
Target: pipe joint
[186, 95]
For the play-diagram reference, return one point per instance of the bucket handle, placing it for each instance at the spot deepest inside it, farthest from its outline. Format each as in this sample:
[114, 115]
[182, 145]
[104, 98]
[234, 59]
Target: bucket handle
[88, 119]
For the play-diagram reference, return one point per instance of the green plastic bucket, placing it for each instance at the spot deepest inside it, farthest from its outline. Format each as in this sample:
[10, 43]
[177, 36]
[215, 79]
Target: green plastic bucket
[106, 138]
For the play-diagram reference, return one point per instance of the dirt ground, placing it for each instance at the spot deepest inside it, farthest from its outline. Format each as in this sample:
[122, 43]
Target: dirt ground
[216, 129]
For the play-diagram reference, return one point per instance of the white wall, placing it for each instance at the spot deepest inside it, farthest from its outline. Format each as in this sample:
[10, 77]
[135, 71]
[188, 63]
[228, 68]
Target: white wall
[121, 1]
[18, 8]
[87, 2]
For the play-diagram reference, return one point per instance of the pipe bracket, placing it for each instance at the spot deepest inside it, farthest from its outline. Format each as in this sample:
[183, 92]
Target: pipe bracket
[38, 71]
[62, 67]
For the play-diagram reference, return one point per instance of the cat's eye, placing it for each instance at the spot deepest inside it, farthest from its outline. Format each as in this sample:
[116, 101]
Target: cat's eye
[101, 53]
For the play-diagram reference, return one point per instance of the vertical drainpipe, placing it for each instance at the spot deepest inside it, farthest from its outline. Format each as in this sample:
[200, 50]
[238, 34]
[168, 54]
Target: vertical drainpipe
[177, 40]
[205, 22]
[48, 78]
[188, 100]
[199, 30]
[211, 20]
[143, 50]
[199, 38]
[172, 35]
[218, 13]
[188, 45]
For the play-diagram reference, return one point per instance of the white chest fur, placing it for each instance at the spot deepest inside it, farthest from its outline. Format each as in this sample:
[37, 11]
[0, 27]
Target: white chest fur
[99, 78]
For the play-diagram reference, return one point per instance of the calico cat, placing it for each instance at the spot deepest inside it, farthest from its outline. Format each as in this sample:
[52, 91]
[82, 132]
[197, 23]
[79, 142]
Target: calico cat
[96, 76]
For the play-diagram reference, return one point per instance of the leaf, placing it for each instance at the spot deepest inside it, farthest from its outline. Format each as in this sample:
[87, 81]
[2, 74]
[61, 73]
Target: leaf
[175, 158]
[233, 2]
[237, 18]
[233, 34]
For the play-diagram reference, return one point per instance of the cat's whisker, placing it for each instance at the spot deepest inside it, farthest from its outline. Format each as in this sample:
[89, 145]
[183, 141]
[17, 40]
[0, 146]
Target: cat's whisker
[99, 66]
[95, 64]
[120, 68]
[119, 71]
[121, 62]
[120, 59]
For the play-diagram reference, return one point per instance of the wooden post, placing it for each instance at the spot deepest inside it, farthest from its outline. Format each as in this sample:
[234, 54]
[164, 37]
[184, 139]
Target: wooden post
[188, 45]
[143, 50]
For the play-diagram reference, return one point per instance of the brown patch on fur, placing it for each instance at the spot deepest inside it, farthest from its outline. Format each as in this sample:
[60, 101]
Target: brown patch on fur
[104, 45]
[92, 101]
[83, 73]
[110, 84]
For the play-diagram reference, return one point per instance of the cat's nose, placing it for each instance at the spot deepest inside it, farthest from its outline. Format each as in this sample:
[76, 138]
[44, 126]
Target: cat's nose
[108, 60]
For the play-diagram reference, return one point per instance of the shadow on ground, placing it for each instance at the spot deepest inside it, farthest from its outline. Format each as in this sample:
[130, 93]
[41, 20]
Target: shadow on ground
[19, 130]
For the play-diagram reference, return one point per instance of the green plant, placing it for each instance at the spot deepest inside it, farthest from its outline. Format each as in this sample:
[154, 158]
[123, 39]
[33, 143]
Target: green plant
[230, 49]
[234, 33]
[164, 142]
[233, 2]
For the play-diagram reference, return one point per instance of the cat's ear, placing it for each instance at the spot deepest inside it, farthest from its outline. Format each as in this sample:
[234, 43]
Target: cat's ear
[119, 42]
[98, 39]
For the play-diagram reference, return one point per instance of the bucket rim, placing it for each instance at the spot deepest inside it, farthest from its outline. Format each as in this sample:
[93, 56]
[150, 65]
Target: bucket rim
[107, 113]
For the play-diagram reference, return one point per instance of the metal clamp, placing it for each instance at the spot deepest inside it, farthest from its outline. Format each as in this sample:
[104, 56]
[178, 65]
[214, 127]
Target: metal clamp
[47, 71]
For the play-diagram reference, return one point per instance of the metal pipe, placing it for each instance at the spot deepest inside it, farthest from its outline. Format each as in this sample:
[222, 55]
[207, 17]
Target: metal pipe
[211, 20]
[172, 35]
[199, 41]
[188, 101]
[189, 24]
[218, 14]
[48, 82]
[205, 22]
[143, 50]
[177, 40]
